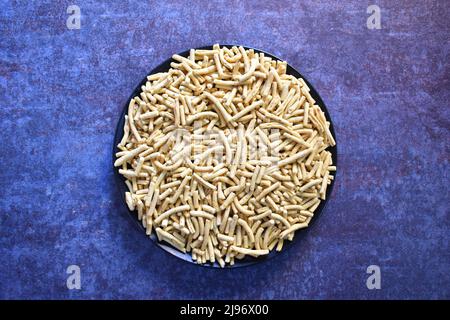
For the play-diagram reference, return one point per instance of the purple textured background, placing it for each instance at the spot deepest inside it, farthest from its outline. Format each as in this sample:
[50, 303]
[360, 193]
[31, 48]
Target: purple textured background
[61, 93]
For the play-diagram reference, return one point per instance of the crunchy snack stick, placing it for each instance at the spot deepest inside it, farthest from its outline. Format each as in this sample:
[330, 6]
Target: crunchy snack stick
[225, 155]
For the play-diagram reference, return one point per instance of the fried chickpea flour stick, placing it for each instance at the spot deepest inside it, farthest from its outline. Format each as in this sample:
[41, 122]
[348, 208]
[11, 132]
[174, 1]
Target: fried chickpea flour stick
[225, 155]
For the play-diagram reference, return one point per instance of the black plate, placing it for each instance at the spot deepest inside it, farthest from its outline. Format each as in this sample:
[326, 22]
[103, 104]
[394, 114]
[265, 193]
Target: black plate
[164, 67]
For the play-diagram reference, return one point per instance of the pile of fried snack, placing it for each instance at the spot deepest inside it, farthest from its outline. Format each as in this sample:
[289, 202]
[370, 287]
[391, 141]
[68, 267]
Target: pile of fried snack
[225, 155]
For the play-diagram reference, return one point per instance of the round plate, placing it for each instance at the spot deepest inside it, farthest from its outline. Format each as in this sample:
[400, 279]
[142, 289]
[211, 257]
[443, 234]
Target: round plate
[164, 67]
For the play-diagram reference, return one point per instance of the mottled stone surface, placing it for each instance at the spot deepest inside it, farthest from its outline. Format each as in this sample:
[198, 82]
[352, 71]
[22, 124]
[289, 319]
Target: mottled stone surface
[61, 93]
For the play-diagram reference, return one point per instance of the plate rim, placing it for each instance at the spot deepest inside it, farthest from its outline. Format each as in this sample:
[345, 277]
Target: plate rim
[247, 261]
